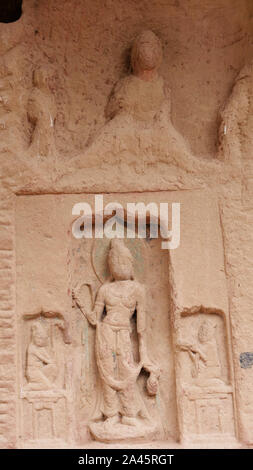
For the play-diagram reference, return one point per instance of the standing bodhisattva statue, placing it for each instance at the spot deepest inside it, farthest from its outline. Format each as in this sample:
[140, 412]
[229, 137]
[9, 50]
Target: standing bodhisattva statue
[120, 298]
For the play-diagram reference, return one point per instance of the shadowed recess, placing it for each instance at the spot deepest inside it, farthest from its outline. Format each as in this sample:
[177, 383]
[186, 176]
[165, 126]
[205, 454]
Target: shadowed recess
[10, 10]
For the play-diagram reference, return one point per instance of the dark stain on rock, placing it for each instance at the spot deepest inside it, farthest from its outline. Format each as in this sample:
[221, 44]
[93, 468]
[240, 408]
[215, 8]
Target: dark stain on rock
[246, 360]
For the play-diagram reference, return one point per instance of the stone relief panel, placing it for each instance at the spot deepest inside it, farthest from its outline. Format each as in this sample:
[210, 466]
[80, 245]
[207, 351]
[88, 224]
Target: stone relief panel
[206, 382]
[138, 134]
[45, 383]
[137, 368]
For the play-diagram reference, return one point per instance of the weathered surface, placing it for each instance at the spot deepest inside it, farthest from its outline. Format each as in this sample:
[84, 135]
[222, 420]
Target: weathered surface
[81, 114]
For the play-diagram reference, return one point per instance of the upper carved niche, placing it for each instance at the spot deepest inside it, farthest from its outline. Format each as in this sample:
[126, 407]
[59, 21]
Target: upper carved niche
[139, 130]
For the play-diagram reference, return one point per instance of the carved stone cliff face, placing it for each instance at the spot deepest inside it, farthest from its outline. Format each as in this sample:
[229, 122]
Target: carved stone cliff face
[122, 340]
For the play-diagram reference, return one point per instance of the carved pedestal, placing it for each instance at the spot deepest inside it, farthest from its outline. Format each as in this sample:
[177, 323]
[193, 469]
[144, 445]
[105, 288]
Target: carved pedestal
[45, 417]
[211, 411]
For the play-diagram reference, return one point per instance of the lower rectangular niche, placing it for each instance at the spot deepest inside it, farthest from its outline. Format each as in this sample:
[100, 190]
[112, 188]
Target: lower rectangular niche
[84, 374]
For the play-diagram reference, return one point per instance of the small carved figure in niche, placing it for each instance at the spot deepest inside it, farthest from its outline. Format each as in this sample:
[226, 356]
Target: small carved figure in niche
[41, 370]
[115, 304]
[204, 355]
[41, 111]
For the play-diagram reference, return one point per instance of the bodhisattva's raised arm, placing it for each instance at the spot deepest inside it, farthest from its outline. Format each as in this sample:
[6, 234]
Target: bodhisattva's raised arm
[94, 315]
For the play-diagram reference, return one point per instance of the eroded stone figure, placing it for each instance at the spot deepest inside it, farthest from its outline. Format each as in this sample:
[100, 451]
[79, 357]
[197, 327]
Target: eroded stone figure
[41, 112]
[142, 93]
[9, 118]
[204, 355]
[115, 304]
[41, 367]
[139, 130]
[235, 131]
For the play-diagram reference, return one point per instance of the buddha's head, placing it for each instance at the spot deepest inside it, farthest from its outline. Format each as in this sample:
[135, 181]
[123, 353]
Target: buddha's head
[206, 331]
[146, 52]
[120, 261]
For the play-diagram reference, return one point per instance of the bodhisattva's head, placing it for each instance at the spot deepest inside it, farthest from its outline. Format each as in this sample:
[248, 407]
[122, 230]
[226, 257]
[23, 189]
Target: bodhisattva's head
[146, 55]
[120, 261]
[206, 331]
